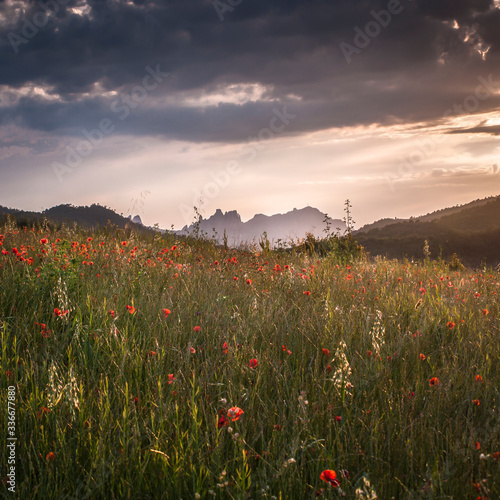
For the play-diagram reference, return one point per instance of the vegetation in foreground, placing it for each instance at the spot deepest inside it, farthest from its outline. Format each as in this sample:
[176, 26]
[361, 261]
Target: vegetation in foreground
[144, 367]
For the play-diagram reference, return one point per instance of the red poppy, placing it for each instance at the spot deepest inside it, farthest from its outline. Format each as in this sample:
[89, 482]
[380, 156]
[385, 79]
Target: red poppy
[434, 381]
[224, 347]
[235, 413]
[479, 378]
[338, 419]
[475, 402]
[193, 350]
[223, 421]
[171, 378]
[450, 325]
[166, 312]
[330, 476]
[249, 281]
[58, 312]
[50, 456]
[41, 412]
[111, 313]
[197, 328]
[89, 239]
[326, 352]
[422, 357]
[485, 312]
[131, 309]
[43, 241]
[174, 248]
[124, 243]
[477, 445]
[307, 292]
[253, 363]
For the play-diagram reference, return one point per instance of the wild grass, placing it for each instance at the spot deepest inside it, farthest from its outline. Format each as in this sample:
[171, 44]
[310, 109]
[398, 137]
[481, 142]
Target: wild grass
[120, 402]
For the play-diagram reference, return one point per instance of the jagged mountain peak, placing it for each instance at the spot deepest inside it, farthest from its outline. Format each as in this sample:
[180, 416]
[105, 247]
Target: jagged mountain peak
[290, 225]
[227, 217]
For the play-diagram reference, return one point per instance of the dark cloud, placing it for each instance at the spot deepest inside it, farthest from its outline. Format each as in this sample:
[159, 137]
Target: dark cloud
[479, 129]
[416, 68]
[455, 9]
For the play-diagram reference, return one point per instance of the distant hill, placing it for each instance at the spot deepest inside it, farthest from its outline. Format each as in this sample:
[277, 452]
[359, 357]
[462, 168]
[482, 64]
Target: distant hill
[87, 216]
[291, 225]
[378, 225]
[456, 209]
[438, 214]
[472, 231]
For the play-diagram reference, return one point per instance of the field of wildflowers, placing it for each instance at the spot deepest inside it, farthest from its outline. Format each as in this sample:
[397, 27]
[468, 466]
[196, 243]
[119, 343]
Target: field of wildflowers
[146, 367]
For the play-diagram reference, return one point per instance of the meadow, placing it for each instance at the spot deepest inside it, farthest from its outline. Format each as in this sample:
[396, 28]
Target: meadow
[145, 366]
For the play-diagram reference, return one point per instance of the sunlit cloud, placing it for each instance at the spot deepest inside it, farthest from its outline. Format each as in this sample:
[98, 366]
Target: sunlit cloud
[229, 94]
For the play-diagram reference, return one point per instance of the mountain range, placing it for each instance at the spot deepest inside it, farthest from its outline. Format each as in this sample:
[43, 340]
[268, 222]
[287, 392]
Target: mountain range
[279, 228]
[472, 231]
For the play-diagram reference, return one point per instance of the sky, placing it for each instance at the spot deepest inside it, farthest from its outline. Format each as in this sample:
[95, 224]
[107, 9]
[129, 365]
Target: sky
[260, 106]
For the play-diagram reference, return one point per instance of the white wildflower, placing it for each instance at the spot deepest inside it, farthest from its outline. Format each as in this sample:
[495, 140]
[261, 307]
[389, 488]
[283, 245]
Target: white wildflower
[365, 490]
[378, 333]
[342, 373]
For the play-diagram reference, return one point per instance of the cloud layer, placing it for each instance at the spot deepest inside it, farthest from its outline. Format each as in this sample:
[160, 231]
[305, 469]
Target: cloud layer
[226, 76]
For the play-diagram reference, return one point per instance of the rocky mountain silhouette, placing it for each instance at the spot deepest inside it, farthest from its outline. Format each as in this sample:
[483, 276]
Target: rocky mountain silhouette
[280, 228]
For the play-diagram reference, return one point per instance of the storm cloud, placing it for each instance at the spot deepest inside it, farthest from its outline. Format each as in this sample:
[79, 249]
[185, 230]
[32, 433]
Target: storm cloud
[257, 55]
